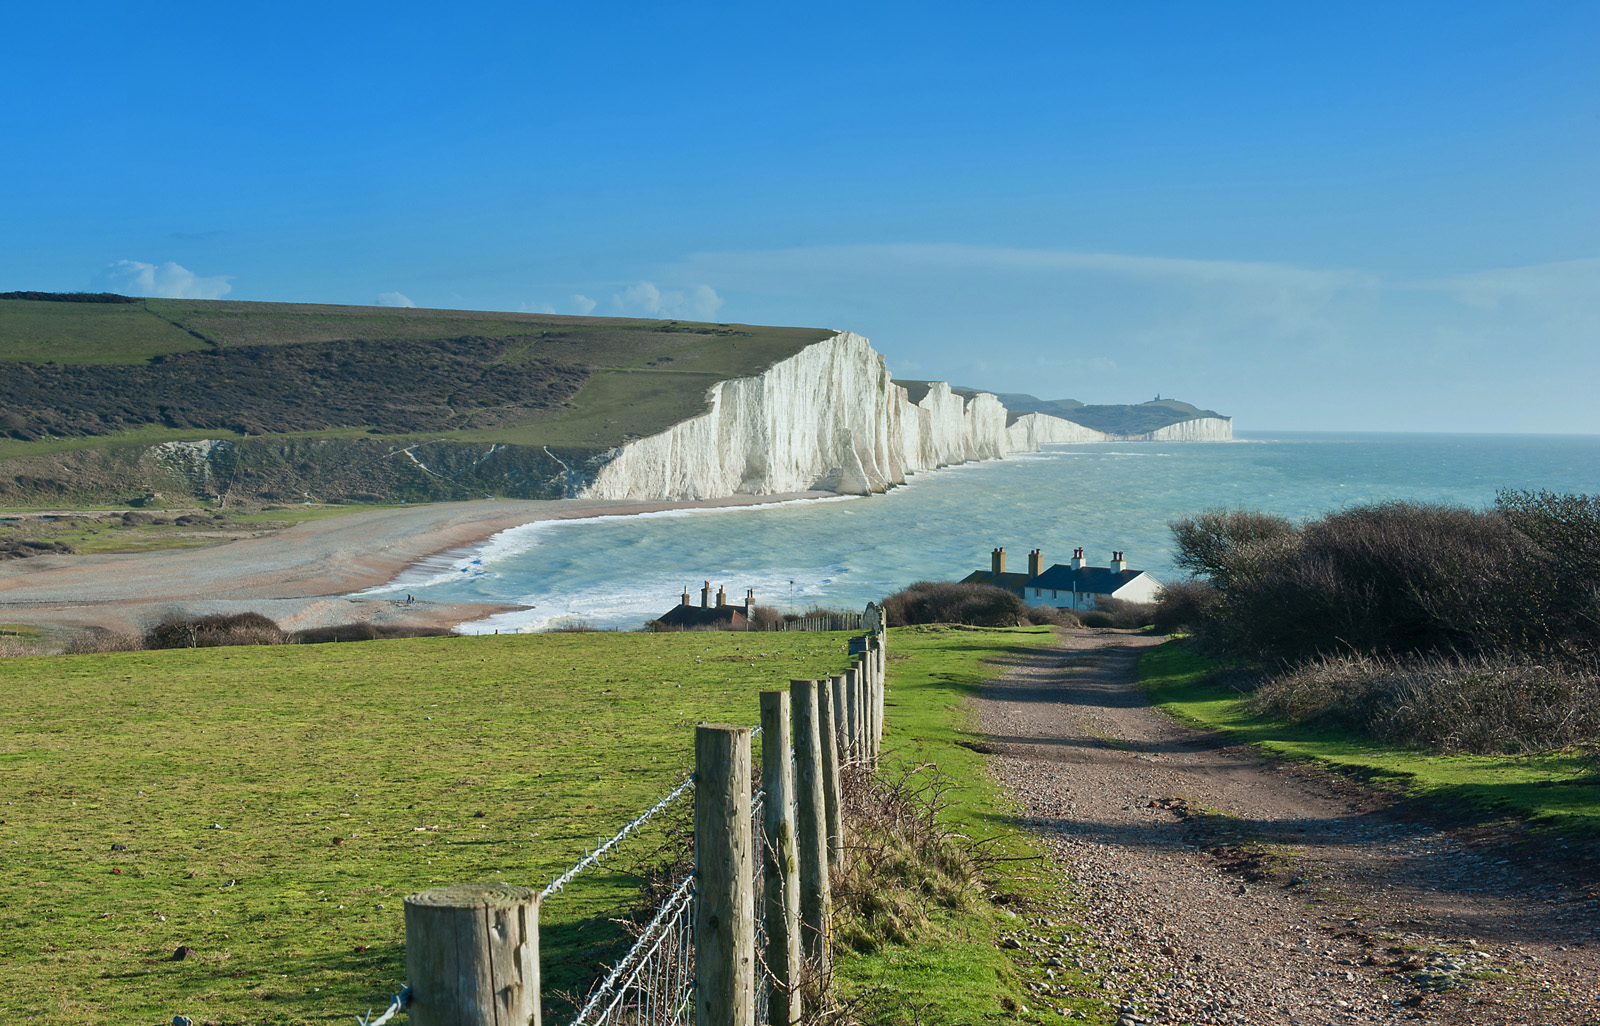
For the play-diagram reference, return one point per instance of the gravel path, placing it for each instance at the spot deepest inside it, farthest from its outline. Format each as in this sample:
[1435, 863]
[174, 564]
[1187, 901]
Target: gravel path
[1213, 885]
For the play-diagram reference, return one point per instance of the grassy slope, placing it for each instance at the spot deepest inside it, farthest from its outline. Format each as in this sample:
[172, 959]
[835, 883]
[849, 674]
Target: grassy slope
[392, 746]
[643, 378]
[1554, 792]
[956, 971]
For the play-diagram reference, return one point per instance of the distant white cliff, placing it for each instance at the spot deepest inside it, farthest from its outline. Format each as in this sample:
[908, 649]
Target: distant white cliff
[830, 418]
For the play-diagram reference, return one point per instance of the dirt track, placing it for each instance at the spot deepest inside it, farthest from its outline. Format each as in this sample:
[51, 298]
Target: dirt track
[1216, 885]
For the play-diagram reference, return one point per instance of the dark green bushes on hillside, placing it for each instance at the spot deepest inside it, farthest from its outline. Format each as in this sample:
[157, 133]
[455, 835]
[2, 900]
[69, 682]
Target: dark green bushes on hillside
[394, 386]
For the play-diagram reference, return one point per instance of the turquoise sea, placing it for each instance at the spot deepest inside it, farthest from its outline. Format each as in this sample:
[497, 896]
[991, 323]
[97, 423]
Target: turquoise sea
[622, 571]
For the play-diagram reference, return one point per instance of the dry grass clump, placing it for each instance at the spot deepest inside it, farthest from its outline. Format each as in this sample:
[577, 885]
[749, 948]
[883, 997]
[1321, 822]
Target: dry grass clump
[903, 864]
[102, 641]
[1485, 704]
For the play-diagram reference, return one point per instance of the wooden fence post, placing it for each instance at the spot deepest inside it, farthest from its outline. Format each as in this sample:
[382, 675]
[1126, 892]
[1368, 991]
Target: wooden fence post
[779, 862]
[472, 956]
[811, 813]
[828, 695]
[724, 900]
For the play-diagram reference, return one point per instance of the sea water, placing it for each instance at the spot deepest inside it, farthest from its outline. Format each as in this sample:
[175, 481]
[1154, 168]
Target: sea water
[941, 525]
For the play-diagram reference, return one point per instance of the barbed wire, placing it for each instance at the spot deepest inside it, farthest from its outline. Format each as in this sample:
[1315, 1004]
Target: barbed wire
[590, 858]
[396, 1003]
[650, 938]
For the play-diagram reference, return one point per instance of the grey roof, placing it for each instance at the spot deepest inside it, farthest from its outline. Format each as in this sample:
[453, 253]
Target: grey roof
[1008, 581]
[697, 616]
[1096, 580]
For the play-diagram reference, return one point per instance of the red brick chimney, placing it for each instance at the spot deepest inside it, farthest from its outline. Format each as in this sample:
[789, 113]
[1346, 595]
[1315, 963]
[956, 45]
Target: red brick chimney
[1035, 563]
[997, 561]
[722, 597]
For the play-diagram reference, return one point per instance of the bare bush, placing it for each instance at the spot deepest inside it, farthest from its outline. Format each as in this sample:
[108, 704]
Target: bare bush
[11, 647]
[1185, 606]
[977, 605]
[101, 641]
[1503, 704]
[214, 630]
[1052, 616]
[571, 625]
[1110, 612]
[364, 632]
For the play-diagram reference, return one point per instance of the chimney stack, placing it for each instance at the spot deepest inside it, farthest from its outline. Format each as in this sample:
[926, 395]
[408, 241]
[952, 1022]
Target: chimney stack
[705, 596]
[749, 602]
[685, 594]
[1118, 564]
[1077, 559]
[722, 596]
[997, 561]
[1035, 563]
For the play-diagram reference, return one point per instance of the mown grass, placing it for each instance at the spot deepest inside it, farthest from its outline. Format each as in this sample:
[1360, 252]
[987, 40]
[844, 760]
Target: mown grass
[1557, 792]
[955, 970]
[277, 804]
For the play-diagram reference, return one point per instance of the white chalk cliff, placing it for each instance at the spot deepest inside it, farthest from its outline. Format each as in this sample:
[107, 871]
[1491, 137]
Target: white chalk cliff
[830, 418]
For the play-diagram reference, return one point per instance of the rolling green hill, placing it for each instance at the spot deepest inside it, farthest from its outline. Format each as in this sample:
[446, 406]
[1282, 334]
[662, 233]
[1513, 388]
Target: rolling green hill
[340, 401]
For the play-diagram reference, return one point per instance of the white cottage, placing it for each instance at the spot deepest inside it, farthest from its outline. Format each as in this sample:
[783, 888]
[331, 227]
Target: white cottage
[1072, 585]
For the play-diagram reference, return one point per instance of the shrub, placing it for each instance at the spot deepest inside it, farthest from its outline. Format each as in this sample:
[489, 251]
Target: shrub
[364, 632]
[977, 605]
[1397, 578]
[103, 641]
[1110, 612]
[1185, 606]
[1503, 704]
[214, 630]
[1041, 616]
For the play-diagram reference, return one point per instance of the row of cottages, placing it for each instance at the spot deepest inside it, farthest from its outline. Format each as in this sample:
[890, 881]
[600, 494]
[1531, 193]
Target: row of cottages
[1072, 585]
[707, 615]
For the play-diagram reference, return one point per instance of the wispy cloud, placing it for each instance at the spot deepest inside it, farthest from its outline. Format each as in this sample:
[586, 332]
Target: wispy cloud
[699, 302]
[582, 304]
[165, 281]
[394, 299]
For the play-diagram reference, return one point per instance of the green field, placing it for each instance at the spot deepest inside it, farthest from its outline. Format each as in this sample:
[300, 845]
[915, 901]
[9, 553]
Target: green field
[278, 803]
[1557, 794]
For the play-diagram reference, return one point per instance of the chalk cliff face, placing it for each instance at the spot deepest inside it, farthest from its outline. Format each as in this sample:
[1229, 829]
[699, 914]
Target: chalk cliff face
[1201, 429]
[830, 418]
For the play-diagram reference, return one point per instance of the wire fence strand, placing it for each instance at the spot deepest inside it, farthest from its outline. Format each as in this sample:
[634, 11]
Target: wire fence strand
[589, 859]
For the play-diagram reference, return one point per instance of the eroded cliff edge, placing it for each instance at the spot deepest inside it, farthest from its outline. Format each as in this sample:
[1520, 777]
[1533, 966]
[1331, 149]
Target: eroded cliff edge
[831, 418]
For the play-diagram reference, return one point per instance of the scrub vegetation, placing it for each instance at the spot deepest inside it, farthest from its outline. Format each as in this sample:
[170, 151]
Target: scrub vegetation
[1450, 648]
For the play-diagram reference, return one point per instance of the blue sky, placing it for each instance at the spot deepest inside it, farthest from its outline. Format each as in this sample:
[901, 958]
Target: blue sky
[1316, 216]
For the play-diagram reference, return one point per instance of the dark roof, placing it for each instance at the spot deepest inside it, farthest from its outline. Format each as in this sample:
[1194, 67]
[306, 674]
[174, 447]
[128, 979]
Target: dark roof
[697, 616]
[1008, 581]
[1096, 580]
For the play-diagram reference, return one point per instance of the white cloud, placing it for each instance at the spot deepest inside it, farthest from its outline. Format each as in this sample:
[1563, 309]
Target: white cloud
[697, 302]
[165, 281]
[394, 299]
[583, 304]
[538, 308]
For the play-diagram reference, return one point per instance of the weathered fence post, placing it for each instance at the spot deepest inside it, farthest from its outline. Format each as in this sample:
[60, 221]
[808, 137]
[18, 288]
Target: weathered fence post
[829, 693]
[811, 814]
[724, 913]
[472, 956]
[816, 903]
[779, 862]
